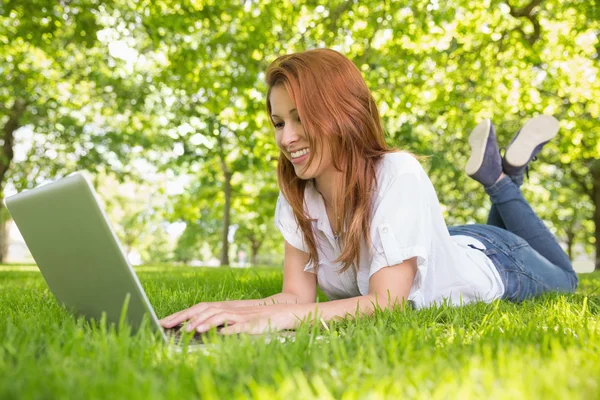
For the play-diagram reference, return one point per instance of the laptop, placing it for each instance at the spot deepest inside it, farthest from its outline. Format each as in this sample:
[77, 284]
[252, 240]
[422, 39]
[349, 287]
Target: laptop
[80, 257]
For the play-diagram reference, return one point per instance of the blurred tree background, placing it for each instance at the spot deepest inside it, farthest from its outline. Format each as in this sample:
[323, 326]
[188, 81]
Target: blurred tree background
[163, 103]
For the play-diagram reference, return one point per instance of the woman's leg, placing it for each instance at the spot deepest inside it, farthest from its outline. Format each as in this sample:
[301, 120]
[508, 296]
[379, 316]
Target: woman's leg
[520, 219]
[494, 217]
[525, 273]
[508, 204]
[526, 253]
[485, 164]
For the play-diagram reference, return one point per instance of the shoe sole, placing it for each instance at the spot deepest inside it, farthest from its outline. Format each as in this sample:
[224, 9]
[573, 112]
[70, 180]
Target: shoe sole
[537, 130]
[478, 140]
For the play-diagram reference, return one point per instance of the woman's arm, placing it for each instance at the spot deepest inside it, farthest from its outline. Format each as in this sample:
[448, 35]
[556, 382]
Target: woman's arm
[387, 287]
[279, 298]
[298, 287]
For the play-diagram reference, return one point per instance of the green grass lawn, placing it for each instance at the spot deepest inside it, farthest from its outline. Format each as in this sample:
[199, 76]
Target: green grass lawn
[548, 347]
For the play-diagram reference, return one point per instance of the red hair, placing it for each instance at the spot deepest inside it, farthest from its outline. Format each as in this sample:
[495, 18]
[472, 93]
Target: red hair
[335, 105]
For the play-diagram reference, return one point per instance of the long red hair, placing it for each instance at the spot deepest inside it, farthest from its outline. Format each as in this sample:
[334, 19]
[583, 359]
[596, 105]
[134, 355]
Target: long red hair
[334, 104]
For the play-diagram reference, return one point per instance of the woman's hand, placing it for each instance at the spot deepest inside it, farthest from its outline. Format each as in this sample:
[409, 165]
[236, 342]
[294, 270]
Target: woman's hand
[184, 315]
[254, 320]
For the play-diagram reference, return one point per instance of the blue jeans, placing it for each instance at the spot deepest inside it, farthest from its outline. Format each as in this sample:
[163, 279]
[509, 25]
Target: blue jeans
[527, 255]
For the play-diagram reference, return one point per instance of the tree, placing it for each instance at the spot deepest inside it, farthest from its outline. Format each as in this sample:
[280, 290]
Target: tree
[61, 82]
[437, 70]
[192, 98]
[255, 217]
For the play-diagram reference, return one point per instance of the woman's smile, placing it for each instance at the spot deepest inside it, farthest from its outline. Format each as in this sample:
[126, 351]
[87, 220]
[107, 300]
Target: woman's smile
[300, 156]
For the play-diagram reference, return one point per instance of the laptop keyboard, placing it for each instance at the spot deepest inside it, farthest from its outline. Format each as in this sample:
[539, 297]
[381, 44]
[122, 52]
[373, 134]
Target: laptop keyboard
[198, 338]
[180, 335]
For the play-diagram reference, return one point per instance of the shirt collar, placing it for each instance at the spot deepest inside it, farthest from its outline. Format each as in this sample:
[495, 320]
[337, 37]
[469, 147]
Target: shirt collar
[314, 202]
[316, 207]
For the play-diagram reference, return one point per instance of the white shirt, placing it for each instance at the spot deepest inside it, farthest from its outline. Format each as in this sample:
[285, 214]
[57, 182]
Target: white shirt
[406, 222]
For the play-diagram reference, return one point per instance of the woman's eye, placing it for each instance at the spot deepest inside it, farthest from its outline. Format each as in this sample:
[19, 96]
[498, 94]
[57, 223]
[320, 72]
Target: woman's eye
[280, 125]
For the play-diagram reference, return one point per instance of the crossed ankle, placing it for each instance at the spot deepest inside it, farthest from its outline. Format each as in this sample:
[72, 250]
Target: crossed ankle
[502, 175]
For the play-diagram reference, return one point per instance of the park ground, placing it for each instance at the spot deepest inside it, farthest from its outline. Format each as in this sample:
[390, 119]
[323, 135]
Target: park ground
[548, 347]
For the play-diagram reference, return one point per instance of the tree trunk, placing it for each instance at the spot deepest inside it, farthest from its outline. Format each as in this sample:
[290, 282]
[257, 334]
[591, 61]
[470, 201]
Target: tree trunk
[254, 256]
[570, 242]
[595, 170]
[226, 214]
[4, 232]
[570, 231]
[6, 156]
[597, 226]
[255, 246]
[227, 174]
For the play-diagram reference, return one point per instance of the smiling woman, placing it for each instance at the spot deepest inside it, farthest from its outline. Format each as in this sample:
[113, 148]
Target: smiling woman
[363, 221]
[319, 101]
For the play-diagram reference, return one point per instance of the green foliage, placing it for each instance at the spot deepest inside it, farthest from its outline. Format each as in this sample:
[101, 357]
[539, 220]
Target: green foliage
[180, 84]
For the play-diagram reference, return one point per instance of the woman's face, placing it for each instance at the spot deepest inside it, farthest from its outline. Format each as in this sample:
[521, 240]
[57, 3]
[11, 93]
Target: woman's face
[291, 139]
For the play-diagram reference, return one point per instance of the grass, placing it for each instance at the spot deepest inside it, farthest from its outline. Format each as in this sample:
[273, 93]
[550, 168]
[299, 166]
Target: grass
[548, 347]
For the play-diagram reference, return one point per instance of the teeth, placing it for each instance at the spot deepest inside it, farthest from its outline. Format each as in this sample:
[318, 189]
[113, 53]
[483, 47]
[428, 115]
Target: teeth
[300, 153]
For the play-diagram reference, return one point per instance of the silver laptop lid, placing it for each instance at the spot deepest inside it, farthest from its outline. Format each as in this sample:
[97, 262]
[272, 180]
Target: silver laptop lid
[77, 251]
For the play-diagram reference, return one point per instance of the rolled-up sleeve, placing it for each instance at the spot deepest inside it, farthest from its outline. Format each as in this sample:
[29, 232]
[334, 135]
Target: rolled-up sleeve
[401, 226]
[286, 222]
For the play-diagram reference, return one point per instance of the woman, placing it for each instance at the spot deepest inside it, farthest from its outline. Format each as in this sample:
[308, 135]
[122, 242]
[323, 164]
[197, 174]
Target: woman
[363, 220]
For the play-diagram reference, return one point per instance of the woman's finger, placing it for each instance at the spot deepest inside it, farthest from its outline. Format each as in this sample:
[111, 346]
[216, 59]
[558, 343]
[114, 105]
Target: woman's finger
[183, 315]
[171, 320]
[240, 327]
[220, 319]
[253, 325]
[205, 314]
[174, 319]
[201, 317]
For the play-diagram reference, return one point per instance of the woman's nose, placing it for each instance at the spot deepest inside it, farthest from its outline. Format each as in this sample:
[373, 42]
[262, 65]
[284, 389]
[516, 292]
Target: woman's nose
[290, 135]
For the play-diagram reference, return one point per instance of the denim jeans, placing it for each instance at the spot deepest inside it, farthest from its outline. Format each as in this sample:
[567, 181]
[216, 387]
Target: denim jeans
[526, 254]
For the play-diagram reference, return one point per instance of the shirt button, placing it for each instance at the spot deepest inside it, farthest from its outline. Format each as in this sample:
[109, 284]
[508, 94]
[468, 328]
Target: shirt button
[385, 230]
